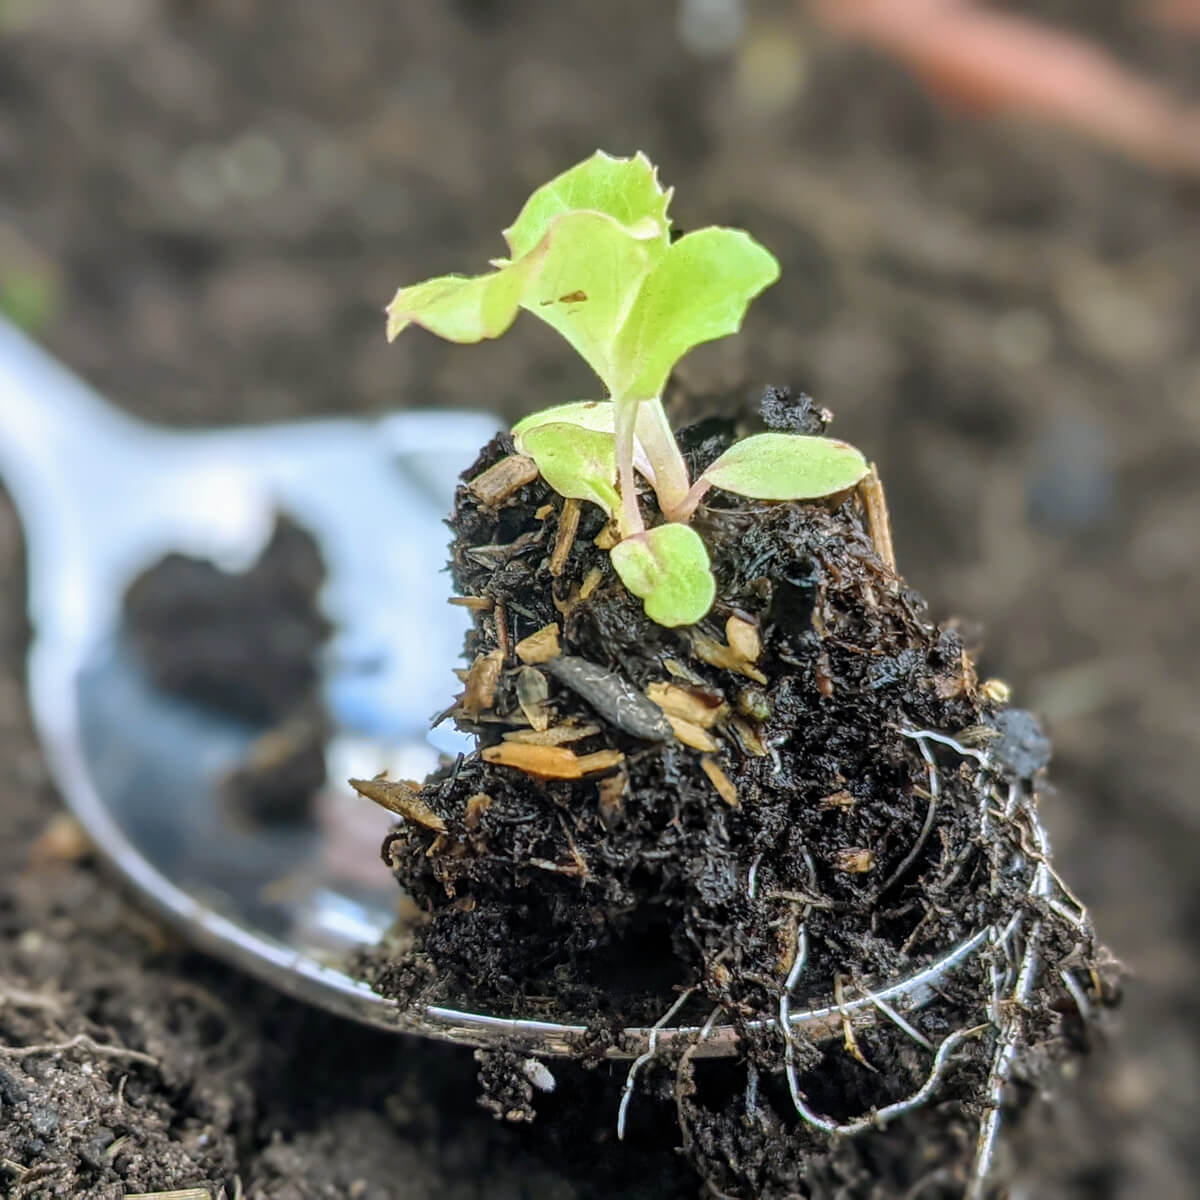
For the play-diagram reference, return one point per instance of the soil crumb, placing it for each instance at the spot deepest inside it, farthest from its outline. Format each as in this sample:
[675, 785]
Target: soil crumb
[246, 644]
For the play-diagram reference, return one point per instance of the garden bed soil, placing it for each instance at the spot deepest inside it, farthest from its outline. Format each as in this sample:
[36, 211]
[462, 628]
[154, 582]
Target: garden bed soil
[1000, 317]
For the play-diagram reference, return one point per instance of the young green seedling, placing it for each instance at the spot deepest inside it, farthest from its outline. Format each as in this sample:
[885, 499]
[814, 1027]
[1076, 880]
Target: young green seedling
[591, 254]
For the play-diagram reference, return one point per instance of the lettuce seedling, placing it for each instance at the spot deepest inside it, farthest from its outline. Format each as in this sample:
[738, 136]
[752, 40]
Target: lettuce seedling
[591, 254]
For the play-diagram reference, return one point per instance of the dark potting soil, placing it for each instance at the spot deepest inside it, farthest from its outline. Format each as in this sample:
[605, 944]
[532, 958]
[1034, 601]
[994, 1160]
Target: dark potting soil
[246, 644]
[804, 799]
[1032, 492]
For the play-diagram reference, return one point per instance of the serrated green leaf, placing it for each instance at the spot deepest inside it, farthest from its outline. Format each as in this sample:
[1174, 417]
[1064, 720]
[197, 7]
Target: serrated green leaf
[588, 279]
[626, 189]
[669, 570]
[697, 292]
[787, 466]
[581, 279]
[576, 462]
[591, 257]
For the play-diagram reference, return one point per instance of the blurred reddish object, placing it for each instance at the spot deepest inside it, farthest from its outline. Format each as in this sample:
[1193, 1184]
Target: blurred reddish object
[1180, 15]
[991, 62]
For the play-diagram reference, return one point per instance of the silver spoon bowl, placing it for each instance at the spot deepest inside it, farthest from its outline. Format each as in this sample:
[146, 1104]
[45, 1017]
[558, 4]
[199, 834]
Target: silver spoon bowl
[102, 497]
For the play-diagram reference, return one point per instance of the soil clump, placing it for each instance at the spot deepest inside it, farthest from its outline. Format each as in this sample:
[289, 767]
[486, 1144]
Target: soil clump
[750, 825]
[246, 644]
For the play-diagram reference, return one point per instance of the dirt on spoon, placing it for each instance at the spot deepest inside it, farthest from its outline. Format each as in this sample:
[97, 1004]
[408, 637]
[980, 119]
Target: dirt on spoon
[805, 812]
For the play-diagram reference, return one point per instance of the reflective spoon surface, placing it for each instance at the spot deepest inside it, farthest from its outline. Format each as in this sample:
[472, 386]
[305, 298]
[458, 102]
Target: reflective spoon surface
[102, 497]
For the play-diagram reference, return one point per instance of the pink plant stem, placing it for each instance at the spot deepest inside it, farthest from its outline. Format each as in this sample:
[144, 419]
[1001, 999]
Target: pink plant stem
[630, 519]
[695, 494]
[658, 443]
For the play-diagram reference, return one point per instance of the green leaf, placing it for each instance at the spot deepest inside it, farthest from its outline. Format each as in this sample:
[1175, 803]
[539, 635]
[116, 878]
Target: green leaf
[591, 257]
[592, 271]
[581, 279]
[586, 414]
[599, 415]
[668, 569]
[463, 308]
[626, 189]
[787, 466]
[576, 462]
[699, 291]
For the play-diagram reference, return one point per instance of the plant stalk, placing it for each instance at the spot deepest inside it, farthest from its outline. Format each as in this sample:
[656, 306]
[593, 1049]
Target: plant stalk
[670, 471]
[629, 518]
[694, 495]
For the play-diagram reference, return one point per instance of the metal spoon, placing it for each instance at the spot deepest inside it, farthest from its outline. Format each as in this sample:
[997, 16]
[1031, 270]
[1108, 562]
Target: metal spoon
[102, 497]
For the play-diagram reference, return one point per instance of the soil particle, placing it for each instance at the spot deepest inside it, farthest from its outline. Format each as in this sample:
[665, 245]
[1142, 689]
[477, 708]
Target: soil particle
[506, 1087]
[612, 697]
[241, 642]
[245, 644]
[1022, 745]
[792, 414]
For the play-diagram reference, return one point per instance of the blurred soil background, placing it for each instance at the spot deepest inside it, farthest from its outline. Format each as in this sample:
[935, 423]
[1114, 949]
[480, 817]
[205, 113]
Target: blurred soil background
[204, 207]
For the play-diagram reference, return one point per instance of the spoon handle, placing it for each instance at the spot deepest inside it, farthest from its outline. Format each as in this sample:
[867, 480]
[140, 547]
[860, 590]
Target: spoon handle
[52, 424]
